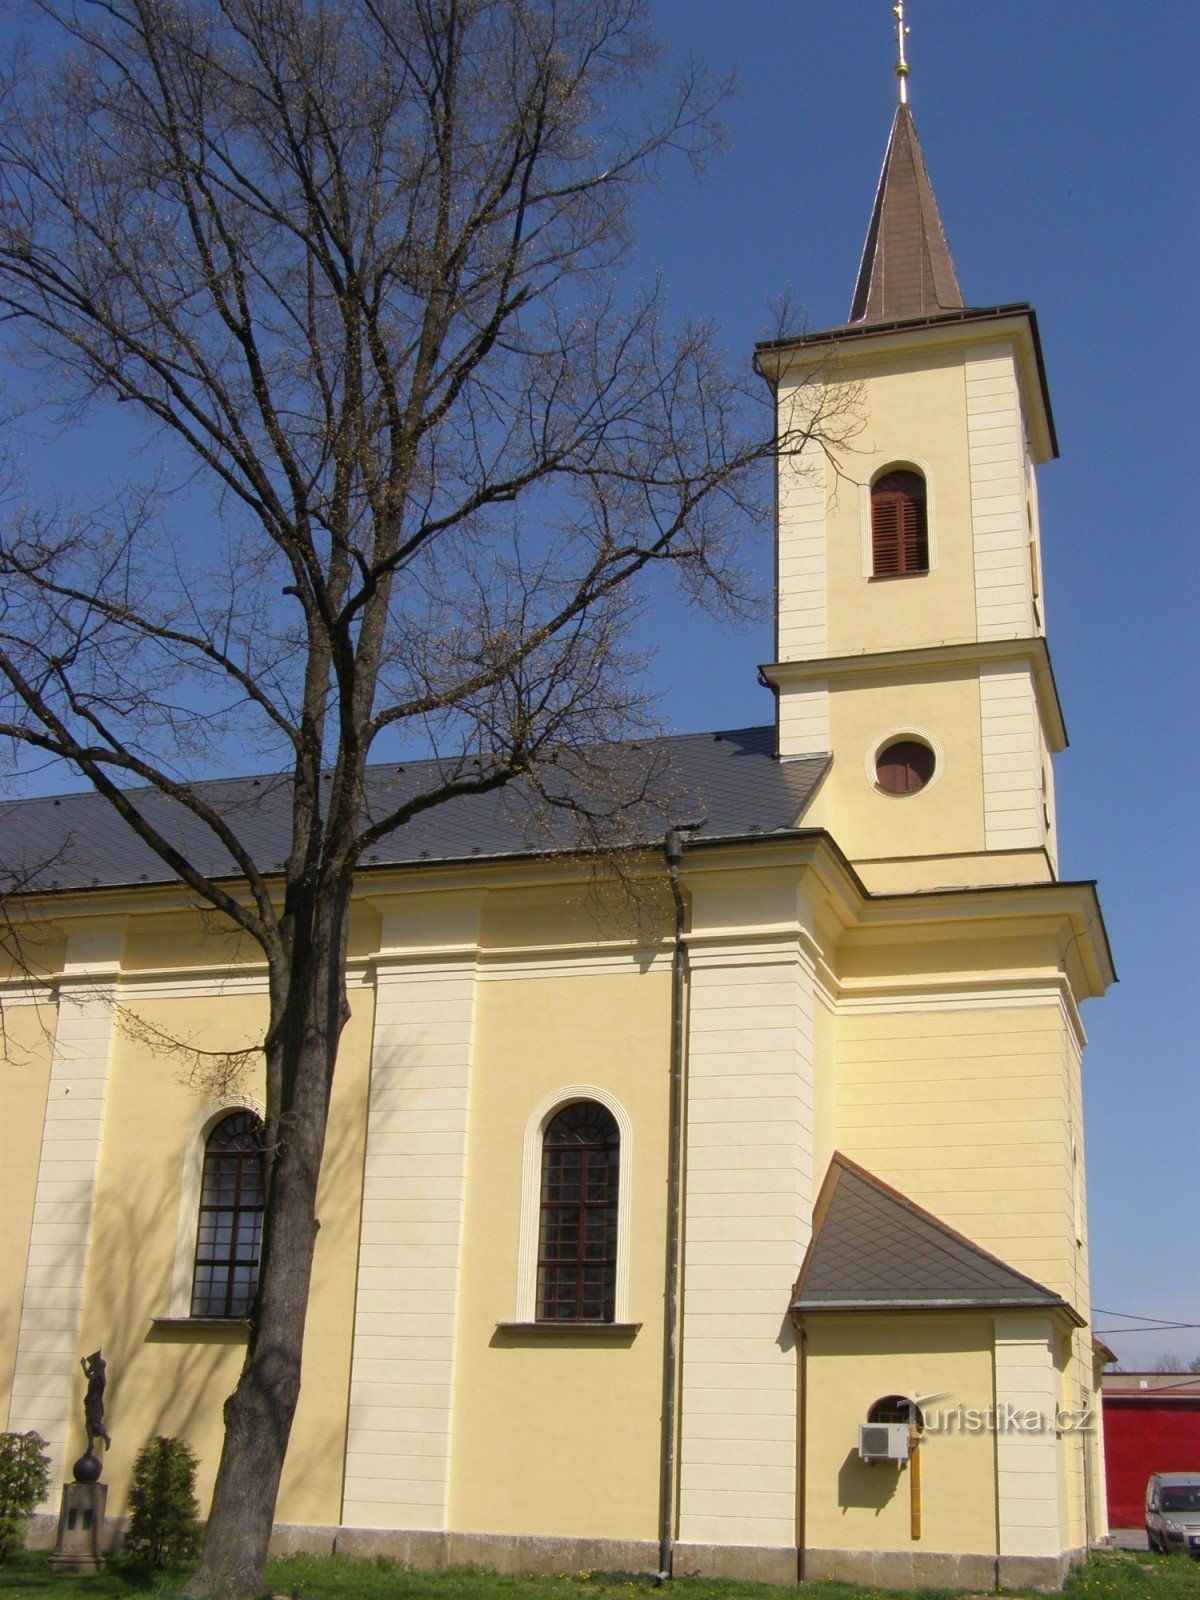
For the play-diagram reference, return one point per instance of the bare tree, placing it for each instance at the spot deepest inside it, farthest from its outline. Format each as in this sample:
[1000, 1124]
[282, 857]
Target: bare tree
[1169, 1362]
[355, 262]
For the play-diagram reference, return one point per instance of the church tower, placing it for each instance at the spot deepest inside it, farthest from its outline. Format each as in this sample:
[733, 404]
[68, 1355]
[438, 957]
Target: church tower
[910, 626]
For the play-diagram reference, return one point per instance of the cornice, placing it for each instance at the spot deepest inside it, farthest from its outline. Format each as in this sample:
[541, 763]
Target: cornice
[1073, 907]
[841, 907]
[967, 653]
[969, 327]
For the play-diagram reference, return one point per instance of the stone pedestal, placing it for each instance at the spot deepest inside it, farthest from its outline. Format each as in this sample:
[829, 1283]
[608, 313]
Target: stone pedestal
[80, 1528]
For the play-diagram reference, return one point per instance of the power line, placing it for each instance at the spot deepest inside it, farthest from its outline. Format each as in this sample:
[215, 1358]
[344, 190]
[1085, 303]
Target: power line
[1150, 1323]
[1157, 1327]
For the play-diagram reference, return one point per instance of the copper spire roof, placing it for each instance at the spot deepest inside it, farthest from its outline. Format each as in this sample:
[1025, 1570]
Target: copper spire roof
[906, 268]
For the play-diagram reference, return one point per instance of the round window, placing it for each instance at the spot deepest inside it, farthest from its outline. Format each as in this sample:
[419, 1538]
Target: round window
[904, 766]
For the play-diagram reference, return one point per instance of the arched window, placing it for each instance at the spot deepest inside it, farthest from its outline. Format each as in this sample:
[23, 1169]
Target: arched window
[897, 1408]
[899, 524]
[577, 1236]
[229, 1227]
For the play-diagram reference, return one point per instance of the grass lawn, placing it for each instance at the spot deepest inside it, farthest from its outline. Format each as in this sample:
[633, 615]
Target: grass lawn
[1119, 1576]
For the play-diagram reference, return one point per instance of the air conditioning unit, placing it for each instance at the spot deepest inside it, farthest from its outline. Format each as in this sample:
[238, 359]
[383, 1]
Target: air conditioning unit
[884, 1441]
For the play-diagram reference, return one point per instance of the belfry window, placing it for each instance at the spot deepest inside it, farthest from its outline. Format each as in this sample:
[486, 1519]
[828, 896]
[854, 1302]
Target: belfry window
[899, 524]
[577, 1236]
[904, 767]
[229, 1226]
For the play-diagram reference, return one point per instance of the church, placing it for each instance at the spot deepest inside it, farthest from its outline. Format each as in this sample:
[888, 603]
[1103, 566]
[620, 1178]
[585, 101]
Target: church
[743, 1237]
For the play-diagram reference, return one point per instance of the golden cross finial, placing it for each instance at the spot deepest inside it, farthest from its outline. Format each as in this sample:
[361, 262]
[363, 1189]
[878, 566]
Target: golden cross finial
[902, 33]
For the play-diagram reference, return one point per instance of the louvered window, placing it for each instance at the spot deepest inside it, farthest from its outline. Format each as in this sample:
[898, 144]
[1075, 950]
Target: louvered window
[229, 1231]
[904, 767]
[899, 525]
[577, 1240]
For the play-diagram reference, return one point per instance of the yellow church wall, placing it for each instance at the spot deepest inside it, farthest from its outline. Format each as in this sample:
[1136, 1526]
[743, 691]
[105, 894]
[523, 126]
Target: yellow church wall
[1072, 1443]
[581, 914]
[43, 945]
[825, 1131]
[28, 1039]
[524, 1401]
[311, 1488]
[1078, 1387]
[159, 941]
[953, 409]
[171, 1377]
[964, 1111]
[1081, 1441]
[886, 958]
[943, 706]
[853, 1361]
[165, 940]
[154, 1387]
[914, 413]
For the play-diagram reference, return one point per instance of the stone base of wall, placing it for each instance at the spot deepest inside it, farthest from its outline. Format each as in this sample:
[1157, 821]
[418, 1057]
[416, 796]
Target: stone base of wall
[1038, 1572]
[296, 1539]
[501, 1552]
[902, 1569]
[753, 1563]
[931, 1569]
[41, 1530]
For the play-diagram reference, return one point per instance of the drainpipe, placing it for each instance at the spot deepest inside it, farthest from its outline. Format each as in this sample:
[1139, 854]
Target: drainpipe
[673, 854]
[802, 1459]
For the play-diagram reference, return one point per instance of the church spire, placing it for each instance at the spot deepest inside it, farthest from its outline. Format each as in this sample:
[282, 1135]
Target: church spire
[906, 268]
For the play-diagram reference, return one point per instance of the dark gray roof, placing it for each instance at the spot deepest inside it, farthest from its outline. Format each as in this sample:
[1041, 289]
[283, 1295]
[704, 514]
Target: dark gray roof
[906, 269]
[873, 1248]
[730, 783]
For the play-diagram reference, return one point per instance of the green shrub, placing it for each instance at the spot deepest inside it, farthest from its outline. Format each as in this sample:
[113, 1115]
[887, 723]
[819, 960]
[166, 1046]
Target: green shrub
[24, 1479]
[164, 1525]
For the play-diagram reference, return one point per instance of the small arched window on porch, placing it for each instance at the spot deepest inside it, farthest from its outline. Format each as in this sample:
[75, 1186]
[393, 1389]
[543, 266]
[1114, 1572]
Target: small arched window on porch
[897, 1408]
[229, 1225]
[577, 1234]
[899, 524]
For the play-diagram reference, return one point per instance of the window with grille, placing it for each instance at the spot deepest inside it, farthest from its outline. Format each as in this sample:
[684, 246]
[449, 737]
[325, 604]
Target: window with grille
[899, 525]
[229, 1228]
[577, 1237]
[897, 1408]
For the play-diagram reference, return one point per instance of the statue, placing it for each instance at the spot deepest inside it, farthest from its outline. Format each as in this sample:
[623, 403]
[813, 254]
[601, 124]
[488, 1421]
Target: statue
[81, 1519]
[93, 1404]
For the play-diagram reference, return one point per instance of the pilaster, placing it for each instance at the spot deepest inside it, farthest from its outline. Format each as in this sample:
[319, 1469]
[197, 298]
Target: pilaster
[748, 1211]
[47, 1385]
[1027, 1486]
[1000, 518]
[402, 1368]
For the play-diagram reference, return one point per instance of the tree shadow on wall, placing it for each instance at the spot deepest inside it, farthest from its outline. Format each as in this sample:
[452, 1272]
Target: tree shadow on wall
[174, 1377]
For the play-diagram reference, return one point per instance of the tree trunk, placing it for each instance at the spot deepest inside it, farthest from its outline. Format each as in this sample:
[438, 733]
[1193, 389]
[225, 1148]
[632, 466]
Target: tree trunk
[260, 1411]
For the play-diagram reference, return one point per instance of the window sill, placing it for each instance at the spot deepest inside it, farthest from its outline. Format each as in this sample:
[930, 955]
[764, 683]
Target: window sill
[198, 1330]
[618, 1332]
[890, 577]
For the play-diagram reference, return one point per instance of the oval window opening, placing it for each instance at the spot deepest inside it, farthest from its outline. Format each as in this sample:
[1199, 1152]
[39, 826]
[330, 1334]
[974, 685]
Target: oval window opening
[904, 766]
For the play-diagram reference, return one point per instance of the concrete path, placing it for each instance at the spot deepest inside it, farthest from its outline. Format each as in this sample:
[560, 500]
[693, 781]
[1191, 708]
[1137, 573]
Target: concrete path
[1128, 1538]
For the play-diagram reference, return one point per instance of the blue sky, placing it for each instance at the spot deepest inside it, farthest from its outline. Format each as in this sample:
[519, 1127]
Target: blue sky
[1056, 138]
